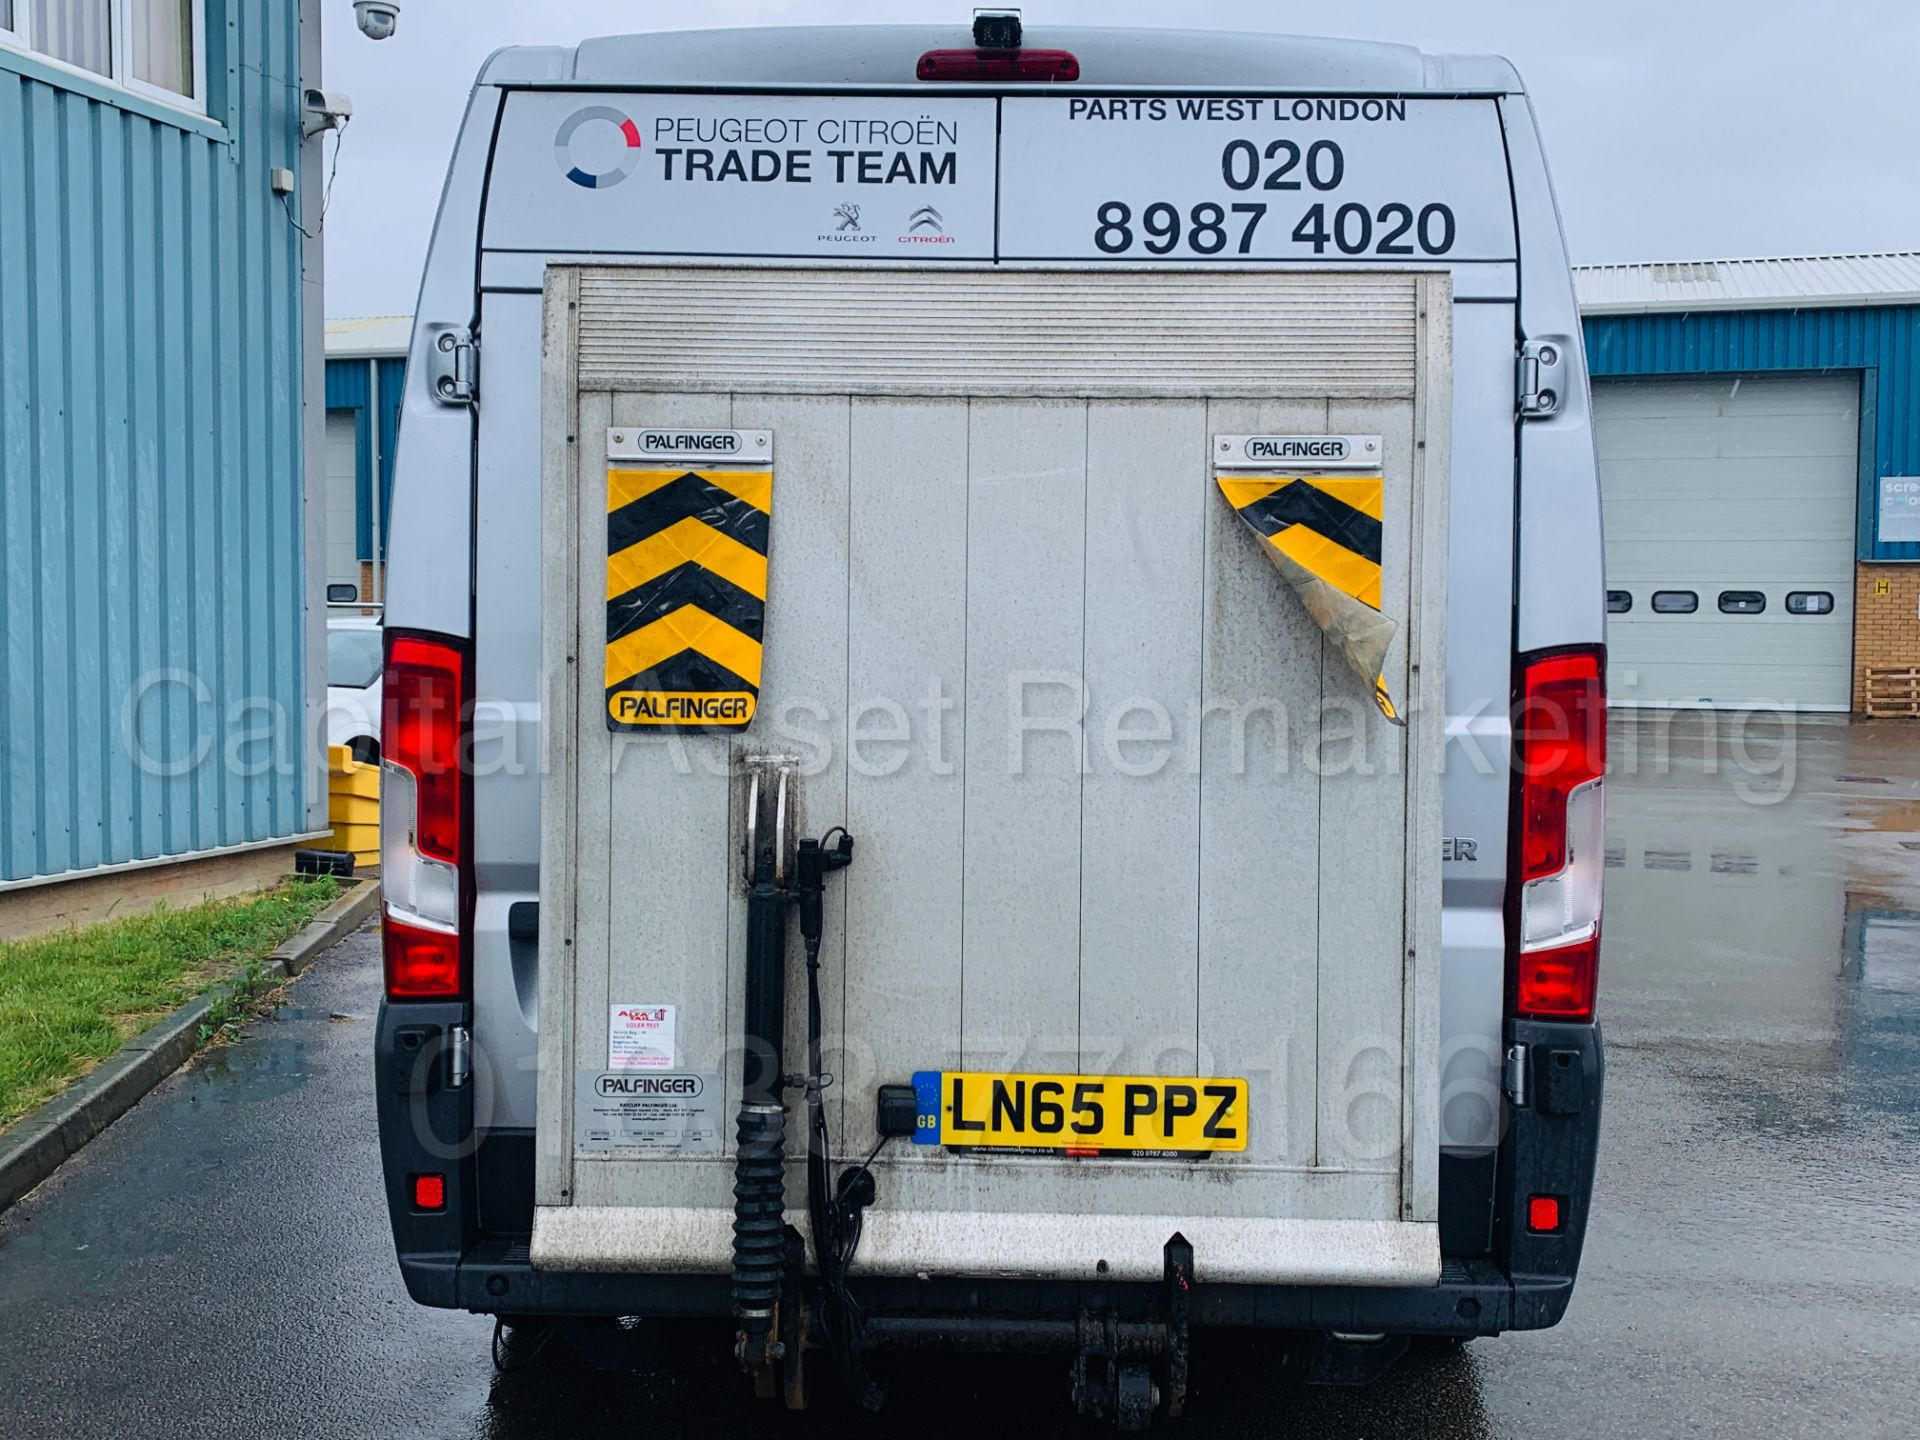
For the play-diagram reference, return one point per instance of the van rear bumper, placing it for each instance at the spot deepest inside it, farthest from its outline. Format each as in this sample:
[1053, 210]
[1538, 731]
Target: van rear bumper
[1474, 1297]
[471, 1257]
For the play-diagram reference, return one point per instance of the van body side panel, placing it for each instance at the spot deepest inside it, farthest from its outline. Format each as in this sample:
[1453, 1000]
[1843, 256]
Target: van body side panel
[431, 523]
[506, 724]
[1479, 732]
[1561, 584]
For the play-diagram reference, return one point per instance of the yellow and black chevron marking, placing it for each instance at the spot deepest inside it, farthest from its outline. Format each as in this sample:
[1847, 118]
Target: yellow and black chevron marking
[1328, 523]
[1324, 535]
[686, 596]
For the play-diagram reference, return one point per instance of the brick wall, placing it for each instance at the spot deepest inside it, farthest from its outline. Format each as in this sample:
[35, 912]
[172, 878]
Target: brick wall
[89, 899]
[1886, 628]
[368, 589]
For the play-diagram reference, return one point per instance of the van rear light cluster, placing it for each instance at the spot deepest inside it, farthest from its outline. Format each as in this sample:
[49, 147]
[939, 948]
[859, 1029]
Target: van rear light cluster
[1560, 747]
[423, 817]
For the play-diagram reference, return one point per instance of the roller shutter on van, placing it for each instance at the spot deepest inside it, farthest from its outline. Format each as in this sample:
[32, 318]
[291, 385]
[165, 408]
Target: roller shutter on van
[987, 559]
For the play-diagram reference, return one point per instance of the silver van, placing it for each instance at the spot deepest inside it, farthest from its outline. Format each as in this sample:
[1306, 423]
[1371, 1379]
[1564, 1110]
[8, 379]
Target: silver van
[994, 703]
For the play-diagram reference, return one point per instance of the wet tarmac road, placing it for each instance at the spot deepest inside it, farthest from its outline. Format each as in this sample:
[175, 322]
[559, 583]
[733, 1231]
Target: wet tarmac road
[217, 1264]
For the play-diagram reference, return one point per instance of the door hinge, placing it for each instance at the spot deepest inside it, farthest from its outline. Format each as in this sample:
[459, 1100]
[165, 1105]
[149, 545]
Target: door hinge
[455, 370]
[1513, 1076]
[1541, 377]
[459, 1056]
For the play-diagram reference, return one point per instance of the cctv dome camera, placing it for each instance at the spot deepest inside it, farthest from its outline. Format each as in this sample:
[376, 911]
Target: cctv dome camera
[377, 18]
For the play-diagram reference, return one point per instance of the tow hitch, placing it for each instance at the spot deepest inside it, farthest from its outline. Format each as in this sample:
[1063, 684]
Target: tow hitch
[1123, 1370]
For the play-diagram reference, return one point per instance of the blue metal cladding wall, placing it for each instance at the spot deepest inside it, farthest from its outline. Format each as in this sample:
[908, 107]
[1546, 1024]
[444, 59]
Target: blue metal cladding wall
[393, 379]
[1881, 342]
[152, 567]
[350, 387]
[348, 390]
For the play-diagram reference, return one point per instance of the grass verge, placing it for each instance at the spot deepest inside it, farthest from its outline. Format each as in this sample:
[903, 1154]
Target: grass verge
[69, 1000]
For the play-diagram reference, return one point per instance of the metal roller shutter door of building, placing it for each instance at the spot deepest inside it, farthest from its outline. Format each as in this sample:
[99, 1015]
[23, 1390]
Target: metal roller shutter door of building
[343, 451]
[1730, 486]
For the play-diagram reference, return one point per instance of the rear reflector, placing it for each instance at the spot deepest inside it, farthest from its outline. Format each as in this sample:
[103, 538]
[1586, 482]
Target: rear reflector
[429, 1192]
[1560, 750]
[422, 963]
[1543, 1214]
[1558, 983]
[1017, 65]
[423, 816]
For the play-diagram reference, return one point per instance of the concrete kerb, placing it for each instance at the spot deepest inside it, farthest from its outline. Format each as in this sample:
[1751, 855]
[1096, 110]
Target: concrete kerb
[45, 1138]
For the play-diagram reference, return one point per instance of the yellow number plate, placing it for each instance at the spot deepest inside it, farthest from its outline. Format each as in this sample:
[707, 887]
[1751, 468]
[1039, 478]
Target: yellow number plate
[1124, 1113]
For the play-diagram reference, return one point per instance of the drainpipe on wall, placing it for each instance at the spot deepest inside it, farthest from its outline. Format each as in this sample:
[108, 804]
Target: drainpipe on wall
[313, 393]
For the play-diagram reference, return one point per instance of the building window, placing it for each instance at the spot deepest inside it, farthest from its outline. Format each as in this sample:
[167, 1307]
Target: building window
[1619, 602]
[1809, 602]
[1675, 602]
[161, 43]
[1742, 602]
[156, 46]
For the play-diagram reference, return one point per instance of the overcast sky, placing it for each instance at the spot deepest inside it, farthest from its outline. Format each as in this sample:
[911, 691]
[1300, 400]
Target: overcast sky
[1677, 129]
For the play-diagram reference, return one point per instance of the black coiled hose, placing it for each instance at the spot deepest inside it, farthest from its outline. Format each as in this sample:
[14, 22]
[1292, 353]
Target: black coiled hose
[759, 1229]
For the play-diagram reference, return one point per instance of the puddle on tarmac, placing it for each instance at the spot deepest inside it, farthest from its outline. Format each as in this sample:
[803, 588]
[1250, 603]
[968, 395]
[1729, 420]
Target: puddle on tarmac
[1763, 914]
[273, 1061]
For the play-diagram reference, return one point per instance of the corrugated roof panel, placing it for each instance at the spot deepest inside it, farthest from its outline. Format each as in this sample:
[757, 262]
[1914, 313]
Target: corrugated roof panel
[1784, 282]
[367, 335]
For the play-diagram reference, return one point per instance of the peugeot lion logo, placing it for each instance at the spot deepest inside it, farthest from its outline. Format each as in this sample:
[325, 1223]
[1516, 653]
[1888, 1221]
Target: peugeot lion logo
[846, 227]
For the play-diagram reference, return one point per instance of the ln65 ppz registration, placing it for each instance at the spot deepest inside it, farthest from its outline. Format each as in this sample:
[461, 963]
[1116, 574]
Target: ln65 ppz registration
[1112, 1114]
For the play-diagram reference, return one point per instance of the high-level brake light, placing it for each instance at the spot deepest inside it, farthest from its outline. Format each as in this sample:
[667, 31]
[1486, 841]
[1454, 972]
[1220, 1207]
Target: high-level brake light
[1560, 746]
[1027, 66]
[423, 820]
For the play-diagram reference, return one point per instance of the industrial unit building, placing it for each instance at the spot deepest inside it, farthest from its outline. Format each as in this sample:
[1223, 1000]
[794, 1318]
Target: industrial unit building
[1758, 423]
[366, 362]
[160, 369]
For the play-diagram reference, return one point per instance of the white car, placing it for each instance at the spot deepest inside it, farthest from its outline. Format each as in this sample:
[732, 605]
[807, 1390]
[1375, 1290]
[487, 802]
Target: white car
[353, 685]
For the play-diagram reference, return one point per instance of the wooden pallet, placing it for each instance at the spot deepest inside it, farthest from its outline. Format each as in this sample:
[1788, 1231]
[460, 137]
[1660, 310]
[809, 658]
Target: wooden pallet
[1893, 692]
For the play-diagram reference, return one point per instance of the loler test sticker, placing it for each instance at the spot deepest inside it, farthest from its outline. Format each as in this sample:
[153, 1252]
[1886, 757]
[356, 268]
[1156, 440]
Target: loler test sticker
[640, 1037]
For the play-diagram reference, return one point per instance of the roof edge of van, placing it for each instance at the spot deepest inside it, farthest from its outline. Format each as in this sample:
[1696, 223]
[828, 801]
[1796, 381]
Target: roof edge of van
[884, 55]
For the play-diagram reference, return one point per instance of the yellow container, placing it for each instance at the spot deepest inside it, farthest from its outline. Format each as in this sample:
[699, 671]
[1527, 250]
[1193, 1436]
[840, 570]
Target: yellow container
[353, 806]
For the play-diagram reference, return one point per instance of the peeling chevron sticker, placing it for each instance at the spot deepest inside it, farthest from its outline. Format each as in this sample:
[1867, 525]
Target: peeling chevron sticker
[686, 594]
[1323, 534]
